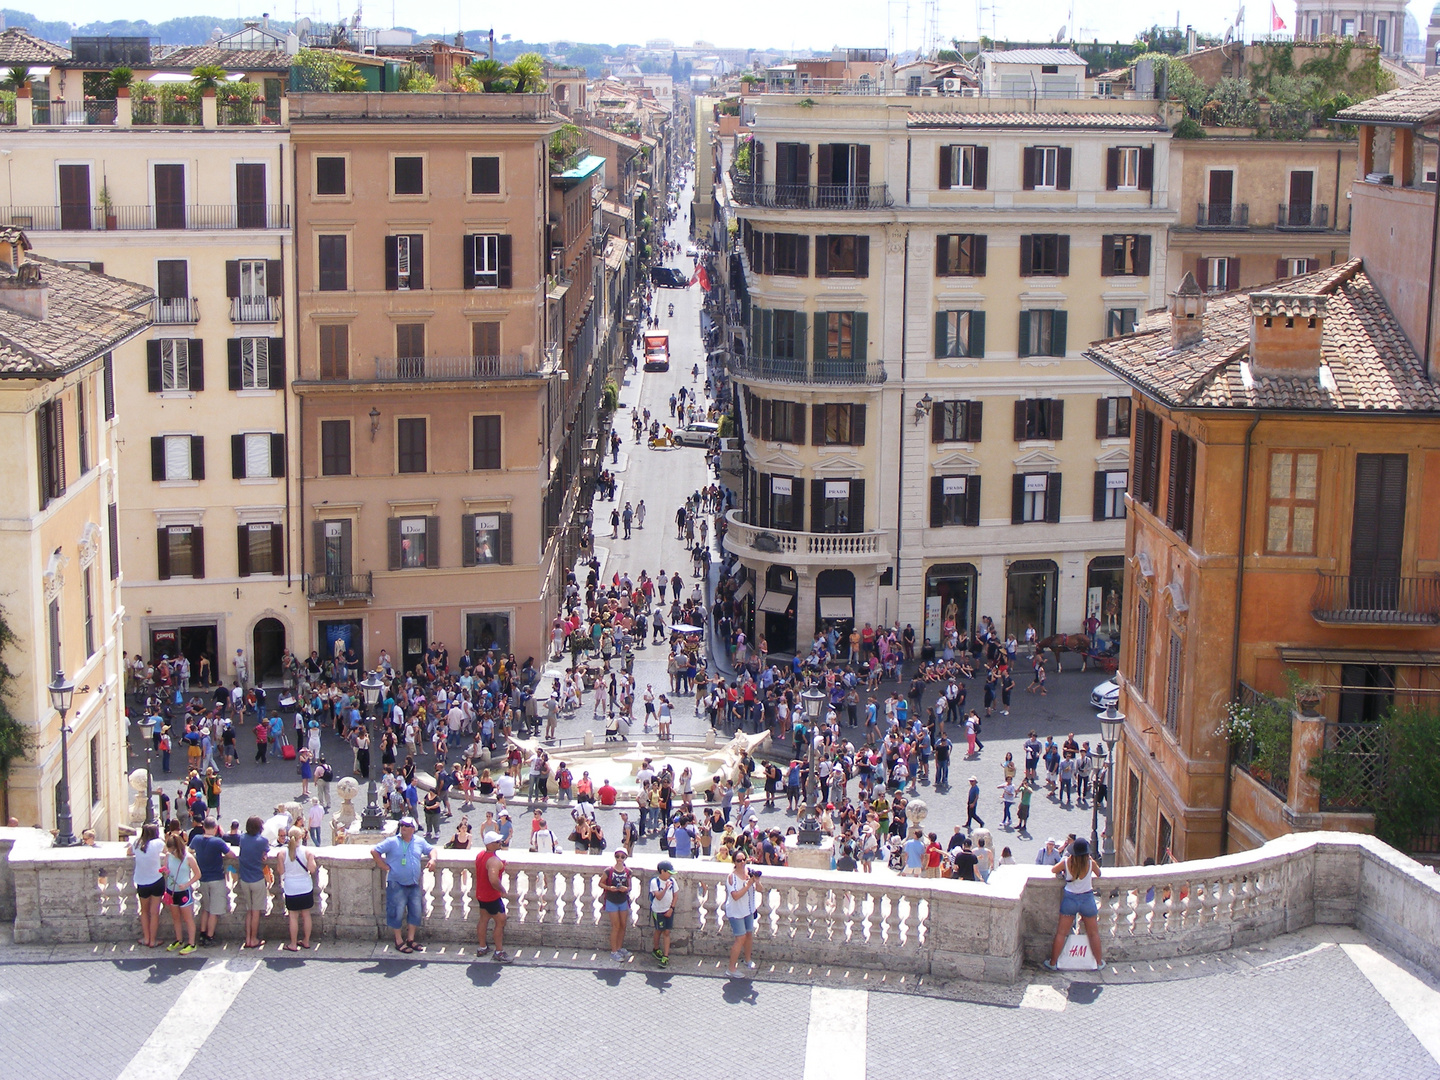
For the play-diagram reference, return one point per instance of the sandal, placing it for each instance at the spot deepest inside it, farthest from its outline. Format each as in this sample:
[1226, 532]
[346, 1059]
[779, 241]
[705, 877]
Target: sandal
[405, 947]
[289, 948]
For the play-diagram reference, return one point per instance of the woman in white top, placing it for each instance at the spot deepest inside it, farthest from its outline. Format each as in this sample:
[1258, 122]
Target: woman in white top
[741, 902]
[1079, 872]
[149, 879]
[296, 868]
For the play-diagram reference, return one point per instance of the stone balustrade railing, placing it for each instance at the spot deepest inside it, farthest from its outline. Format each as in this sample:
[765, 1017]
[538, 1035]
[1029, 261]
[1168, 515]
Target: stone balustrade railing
[944, 929]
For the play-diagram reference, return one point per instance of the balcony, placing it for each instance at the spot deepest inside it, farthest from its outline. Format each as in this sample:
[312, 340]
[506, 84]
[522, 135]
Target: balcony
[1354, 600]
[817, 372]
[255, 309]
[1223, 216]
[100, 218]
[337, 588]
[813, 196]
[176, 310]
[1302, 216]
[449, 368]
[807, 548]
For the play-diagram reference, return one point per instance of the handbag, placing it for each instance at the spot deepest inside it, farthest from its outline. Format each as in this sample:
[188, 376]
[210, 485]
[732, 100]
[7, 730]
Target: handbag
[1076, 955]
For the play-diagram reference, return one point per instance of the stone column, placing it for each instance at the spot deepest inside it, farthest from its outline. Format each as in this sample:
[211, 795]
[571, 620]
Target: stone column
[124, 110]
[1307, 744]
[355, 895]
[209, 110]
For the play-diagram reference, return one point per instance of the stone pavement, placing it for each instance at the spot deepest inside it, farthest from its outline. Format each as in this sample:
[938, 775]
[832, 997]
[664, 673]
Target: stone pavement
[1323, 1003]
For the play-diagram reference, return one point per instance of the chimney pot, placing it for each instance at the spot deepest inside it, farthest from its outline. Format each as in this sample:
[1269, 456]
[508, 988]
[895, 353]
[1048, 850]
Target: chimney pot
[1187, 313]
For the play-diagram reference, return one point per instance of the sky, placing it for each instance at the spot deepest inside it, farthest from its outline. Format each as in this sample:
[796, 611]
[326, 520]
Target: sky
[896, 24]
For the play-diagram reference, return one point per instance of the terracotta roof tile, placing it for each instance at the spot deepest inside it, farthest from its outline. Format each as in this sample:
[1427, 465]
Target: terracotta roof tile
[1369, 364]
[19, 46]
[1089, 121]
[193, 56]
[88, 314]
[1413, 104]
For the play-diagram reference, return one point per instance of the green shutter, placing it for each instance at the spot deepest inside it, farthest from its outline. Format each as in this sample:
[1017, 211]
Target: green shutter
[820, 337]
[1023, 349]
[1057, 334]
[977, 334]
[942, 343]
[861, 335]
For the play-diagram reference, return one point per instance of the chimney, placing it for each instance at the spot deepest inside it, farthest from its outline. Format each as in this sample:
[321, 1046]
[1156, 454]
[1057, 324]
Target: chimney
[1285, 331]
[21, 288]
[1187, 313]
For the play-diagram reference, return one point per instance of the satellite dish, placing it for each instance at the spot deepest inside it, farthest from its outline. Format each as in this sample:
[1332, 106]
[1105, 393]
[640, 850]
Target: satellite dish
[216, 34]
[1061, 35]
[303, 26]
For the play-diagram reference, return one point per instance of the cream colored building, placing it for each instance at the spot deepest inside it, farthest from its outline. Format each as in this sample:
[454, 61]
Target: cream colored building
[59, 563]
[921, 278]
[201, 216]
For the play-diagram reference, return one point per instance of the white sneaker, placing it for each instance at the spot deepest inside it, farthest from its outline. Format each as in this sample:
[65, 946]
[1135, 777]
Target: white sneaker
[750, 964]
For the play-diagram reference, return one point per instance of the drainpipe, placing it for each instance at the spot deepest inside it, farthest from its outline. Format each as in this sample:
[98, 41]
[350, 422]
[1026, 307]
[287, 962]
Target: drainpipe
[1434, 228]
[1235, 633]
[900, 467]
[292, 366]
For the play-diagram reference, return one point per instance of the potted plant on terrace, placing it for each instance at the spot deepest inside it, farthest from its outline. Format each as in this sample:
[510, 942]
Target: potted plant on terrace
[107, 207]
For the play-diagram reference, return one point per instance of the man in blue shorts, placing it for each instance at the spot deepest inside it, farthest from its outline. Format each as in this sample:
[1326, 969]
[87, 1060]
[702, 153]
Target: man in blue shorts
[404, 857]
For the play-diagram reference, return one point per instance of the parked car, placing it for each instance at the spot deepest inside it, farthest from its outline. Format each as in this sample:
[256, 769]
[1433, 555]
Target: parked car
[697, 434]
[1105, 695]
[667, 277]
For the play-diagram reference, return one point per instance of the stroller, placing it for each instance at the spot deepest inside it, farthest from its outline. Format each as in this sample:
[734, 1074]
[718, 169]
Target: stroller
[612, 730]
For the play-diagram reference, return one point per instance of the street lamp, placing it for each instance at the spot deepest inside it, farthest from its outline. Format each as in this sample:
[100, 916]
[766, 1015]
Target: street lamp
[373, 819]
[814, 701]
[1111, 721]
[62, 691]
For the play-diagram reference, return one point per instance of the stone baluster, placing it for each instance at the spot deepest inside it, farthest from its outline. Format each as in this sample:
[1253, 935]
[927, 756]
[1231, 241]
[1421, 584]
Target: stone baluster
[434, 882]
[460, 892]
[533, 902]
[890, 925]
[911, 926]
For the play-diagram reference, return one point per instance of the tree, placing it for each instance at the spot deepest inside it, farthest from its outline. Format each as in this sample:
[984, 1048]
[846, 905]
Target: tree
[485, 72]
[16, 740]
[16, 77]
[347, 78]
[414, 80]
[528, 71]
[1389, 767]
[207, 77]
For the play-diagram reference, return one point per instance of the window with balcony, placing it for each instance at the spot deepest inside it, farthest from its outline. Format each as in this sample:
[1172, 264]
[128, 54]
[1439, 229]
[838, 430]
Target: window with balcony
[1120, 321]
[956, 421]
[410, 339]
[177, 457]
[484, 175]
[841, 335]
[837, 506]
[954, 500]
[414, 543]
[409, 175]
[964, 167]
[960, 255]
[181, 552]
[1035, 497]
[1180, 491]
[253, 286]
[485, 339]
[1045, 168]
[838, 425]
[1042, 333]
[487, 261]
[175, 364]
[1112, 418]
[1292, 502]
[486, 447]
[335, 351]
[1124, 255]
[334, 273]
[1110, 495]
[334, 447]
[1129, 168]
[778, 335]
[411, 449]
[842, 256]
[959, 333]
[404, 262]
[1044, 255]
[330, 176]
[260, 549]
[784, 503]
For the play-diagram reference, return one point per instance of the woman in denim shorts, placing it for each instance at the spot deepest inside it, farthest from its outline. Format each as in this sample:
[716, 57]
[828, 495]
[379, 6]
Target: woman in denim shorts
[1079, 872]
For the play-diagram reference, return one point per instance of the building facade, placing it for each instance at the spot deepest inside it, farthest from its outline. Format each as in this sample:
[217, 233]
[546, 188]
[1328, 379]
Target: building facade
[918, 286]
[59, 329]
[208, 519]
[1379, 22]
[441, 375]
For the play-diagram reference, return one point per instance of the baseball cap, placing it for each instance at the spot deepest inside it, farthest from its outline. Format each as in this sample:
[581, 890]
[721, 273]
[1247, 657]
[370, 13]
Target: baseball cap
[493, 837]
[665, 865]
[407, 822]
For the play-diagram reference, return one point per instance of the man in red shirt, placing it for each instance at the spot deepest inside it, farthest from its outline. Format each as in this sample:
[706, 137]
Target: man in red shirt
[867, 641]
[490, 896]
[607, 794]
[934, 853]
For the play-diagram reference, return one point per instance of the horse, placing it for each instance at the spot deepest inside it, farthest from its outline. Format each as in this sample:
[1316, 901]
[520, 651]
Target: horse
[1063, 643]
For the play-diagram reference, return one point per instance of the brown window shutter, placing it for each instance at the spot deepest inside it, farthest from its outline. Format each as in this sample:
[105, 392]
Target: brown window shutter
[152, 367]
[277, 549]
[862, 256]
[317, 539]
[974, 423]
[937, 501]
[822, 256]
[857, 506]
[392, 263]
[1112, 168]
[504, 249]
[1062, 169]
[392, 536]
[1062, 255]
[982, 168]
[197, 551]
[1107, 255]
[417, 261]
[162, 553]
[233, 364]
[467, 539]
[1052, 498]
[1172, 489]
[942, 255]
[237, 457]
[937, 419]
[972, 501]
[1027, 169]
[797, 419]
[346, 563]
[274, 277]
[857, 425]
[467, 246]
[1202, 272]
[978, 245]
[197, 457]
[947, 154]
[1098, 513]
[1102, 417]
[802, 256]
[762, 500]
[1232, 275]
[1017, 499]
[112, 537]
[862, 165]
[1027, 255]
[1020, 411]
[817, 425]
[1282, 267]
[1057, 418]
[232, 278]
[242, 549]
[767, 253]
[1142, 255]
[1188, 488]
[277, 455]
[817, 505]
[1147, 168]
[432, 542]
[507, 539]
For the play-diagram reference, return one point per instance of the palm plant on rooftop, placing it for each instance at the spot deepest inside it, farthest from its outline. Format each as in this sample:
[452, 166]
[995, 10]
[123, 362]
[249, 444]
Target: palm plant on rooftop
[16, 77]
[528, 70]
[207, 77]
[485, 72]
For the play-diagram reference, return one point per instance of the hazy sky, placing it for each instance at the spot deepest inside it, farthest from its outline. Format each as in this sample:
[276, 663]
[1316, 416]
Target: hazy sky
[757, 23]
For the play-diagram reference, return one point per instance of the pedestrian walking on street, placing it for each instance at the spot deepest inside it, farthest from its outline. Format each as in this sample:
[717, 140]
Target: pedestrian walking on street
[404, 857]
[972, 803]
[615, 883]
[640, 514]
[627, 517]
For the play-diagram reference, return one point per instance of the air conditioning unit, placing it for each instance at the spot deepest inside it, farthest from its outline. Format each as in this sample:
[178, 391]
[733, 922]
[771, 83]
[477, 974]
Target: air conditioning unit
[970, 91]
[953, 86]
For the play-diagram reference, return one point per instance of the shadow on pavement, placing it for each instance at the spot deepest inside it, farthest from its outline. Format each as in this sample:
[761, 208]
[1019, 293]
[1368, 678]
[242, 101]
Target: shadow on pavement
[1083, 993]
[483, 974]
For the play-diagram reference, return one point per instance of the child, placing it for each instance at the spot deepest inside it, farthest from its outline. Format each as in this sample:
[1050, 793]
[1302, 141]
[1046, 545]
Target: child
[662, 909]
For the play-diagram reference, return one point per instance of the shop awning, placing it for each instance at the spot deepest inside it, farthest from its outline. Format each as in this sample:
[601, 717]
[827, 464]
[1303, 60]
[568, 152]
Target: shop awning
[776, 602]
[837, 607]
[746, 588]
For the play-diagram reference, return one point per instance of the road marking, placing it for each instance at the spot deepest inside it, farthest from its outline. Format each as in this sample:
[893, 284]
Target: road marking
[183, 1030]
[1414, 1002]
[1040, 996]
[835, 1042]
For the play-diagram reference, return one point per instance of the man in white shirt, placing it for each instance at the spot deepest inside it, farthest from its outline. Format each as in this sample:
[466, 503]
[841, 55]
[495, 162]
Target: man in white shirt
[662, 909]
[543, 840]
[505, 786]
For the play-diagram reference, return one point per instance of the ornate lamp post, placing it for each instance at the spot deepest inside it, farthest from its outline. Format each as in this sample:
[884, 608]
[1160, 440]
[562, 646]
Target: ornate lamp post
[62, 691]
[1111, 721]
[814, 701]
[373, 819]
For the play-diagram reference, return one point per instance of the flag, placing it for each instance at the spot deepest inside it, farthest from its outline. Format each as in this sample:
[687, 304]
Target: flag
[1276, 23]
[703, 278]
